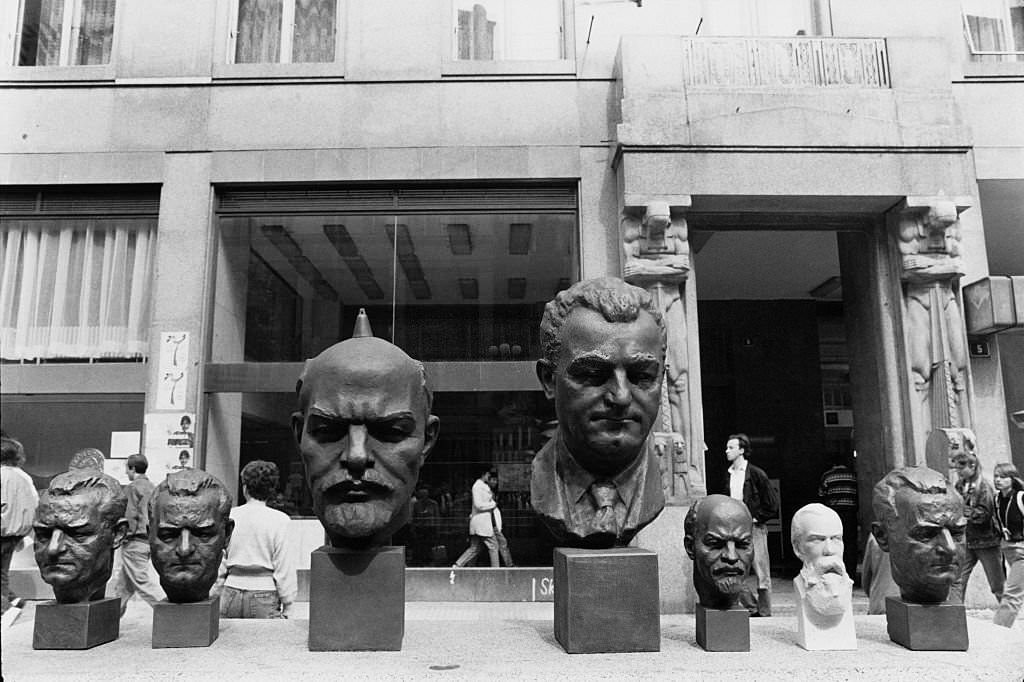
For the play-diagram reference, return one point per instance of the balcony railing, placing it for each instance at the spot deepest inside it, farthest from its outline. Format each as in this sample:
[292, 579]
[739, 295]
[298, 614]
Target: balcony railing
[785, 62]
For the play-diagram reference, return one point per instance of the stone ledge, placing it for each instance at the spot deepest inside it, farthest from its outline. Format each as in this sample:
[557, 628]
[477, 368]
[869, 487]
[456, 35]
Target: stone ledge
[489, 647]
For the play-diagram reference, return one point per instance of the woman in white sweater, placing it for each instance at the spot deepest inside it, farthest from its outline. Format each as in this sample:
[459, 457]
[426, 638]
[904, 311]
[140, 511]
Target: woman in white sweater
[260, 580]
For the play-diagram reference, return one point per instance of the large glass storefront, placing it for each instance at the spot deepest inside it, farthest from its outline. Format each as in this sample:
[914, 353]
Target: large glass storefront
[456, 277]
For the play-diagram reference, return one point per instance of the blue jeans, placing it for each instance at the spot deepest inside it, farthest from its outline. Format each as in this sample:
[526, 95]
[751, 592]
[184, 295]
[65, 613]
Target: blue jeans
[236, 603]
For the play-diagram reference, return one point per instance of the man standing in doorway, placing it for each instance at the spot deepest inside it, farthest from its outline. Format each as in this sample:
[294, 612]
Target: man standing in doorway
[750, 485]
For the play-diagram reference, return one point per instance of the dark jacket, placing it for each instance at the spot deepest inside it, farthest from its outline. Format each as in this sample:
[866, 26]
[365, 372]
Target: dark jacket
[758, 494]
[979, 508]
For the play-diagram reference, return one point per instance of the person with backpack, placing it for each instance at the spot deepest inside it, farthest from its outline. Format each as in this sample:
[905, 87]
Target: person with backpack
[1010, 514]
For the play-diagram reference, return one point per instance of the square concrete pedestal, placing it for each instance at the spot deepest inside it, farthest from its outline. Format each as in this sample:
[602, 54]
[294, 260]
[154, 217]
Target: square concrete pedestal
[357, 599]
[606, 600]
[186, 625]
[77, 626]
[723, 629]
[926, 627]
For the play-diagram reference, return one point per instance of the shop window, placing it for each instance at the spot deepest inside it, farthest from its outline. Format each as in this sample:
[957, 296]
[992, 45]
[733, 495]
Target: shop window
[442, 286]
[284, 31]
[994, 30]
[75, 288]
[65, 32]
[497, 429]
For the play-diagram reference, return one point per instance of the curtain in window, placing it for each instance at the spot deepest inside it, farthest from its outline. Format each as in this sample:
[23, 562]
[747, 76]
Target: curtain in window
[313, 39]
[40, 33]
[96, 32]
[259, 32]
[75, 288]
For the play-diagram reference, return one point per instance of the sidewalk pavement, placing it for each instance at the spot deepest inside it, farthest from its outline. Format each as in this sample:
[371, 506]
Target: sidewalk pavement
[448, 641]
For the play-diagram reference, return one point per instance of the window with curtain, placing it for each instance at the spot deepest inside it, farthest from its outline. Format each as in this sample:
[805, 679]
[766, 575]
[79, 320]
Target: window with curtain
[66, 32]
[994, 29]
[285, 31]
[75, 288]
[496, 30]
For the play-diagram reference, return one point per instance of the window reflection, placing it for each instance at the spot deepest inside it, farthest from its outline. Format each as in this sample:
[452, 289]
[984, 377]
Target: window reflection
[459, 287]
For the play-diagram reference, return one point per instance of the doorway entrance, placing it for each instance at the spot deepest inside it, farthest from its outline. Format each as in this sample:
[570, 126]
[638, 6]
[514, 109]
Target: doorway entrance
[774, 361]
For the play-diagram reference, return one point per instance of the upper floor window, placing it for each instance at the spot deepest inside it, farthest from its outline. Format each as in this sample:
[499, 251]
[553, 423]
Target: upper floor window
[994, 29]
[65, 32]
[495, 30]
[284, 31]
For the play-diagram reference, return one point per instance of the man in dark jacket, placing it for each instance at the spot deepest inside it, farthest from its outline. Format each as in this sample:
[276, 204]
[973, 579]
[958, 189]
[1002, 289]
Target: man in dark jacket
[750, 484]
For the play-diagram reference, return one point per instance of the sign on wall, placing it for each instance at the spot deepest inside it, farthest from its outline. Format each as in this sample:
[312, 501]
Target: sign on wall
[170, 442]
[172, 383]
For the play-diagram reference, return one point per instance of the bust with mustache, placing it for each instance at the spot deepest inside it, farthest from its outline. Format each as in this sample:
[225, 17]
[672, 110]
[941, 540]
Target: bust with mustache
[824, 591]
[718, 536]
[363, 429]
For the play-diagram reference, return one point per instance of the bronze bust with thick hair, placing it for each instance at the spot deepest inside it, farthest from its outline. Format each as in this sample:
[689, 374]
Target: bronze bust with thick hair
[189, 528]
[79, 523]
[919, 521]
[597, 482]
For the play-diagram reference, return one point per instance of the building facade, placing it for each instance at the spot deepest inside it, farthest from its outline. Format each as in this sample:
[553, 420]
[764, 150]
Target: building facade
[198, 195]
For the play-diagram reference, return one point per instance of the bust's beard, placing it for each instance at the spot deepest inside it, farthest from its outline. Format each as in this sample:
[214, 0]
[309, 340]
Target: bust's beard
[827, 588]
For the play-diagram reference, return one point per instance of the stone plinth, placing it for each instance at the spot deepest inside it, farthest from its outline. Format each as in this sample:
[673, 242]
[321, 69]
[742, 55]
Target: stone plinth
[606, 600]
[186, 625]
[76, 626]
[723, 629]
[926, 627]
[357, 599]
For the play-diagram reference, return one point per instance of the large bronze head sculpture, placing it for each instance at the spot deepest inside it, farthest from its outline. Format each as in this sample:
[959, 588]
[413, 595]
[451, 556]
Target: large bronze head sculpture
[603, 342]
[189, 527]
[817, 539]
[919, 521]
[718, 536]
[79, 522]
[363, 429]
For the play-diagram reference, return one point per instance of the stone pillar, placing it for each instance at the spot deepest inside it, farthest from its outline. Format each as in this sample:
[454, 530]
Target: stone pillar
[657, 257]
[179, 302]
[927, 234]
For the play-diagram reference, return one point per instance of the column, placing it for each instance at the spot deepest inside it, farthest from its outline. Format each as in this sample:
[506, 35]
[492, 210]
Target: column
[927, 234]
[177, 326]
[657, 258]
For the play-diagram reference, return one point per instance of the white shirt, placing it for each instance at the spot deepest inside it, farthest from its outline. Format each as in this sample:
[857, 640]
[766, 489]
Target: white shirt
[19, 499]
[260, 541]
[737, 474]
[480, 518]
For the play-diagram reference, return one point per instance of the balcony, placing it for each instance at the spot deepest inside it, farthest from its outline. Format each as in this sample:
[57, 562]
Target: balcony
[785, 62]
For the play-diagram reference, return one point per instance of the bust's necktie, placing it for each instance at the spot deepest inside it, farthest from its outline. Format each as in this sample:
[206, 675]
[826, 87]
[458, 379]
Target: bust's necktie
[604, 495]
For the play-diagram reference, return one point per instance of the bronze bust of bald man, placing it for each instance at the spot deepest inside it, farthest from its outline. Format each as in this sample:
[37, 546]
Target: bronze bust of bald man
[597, 482]
[717, 535]
[363, 429]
